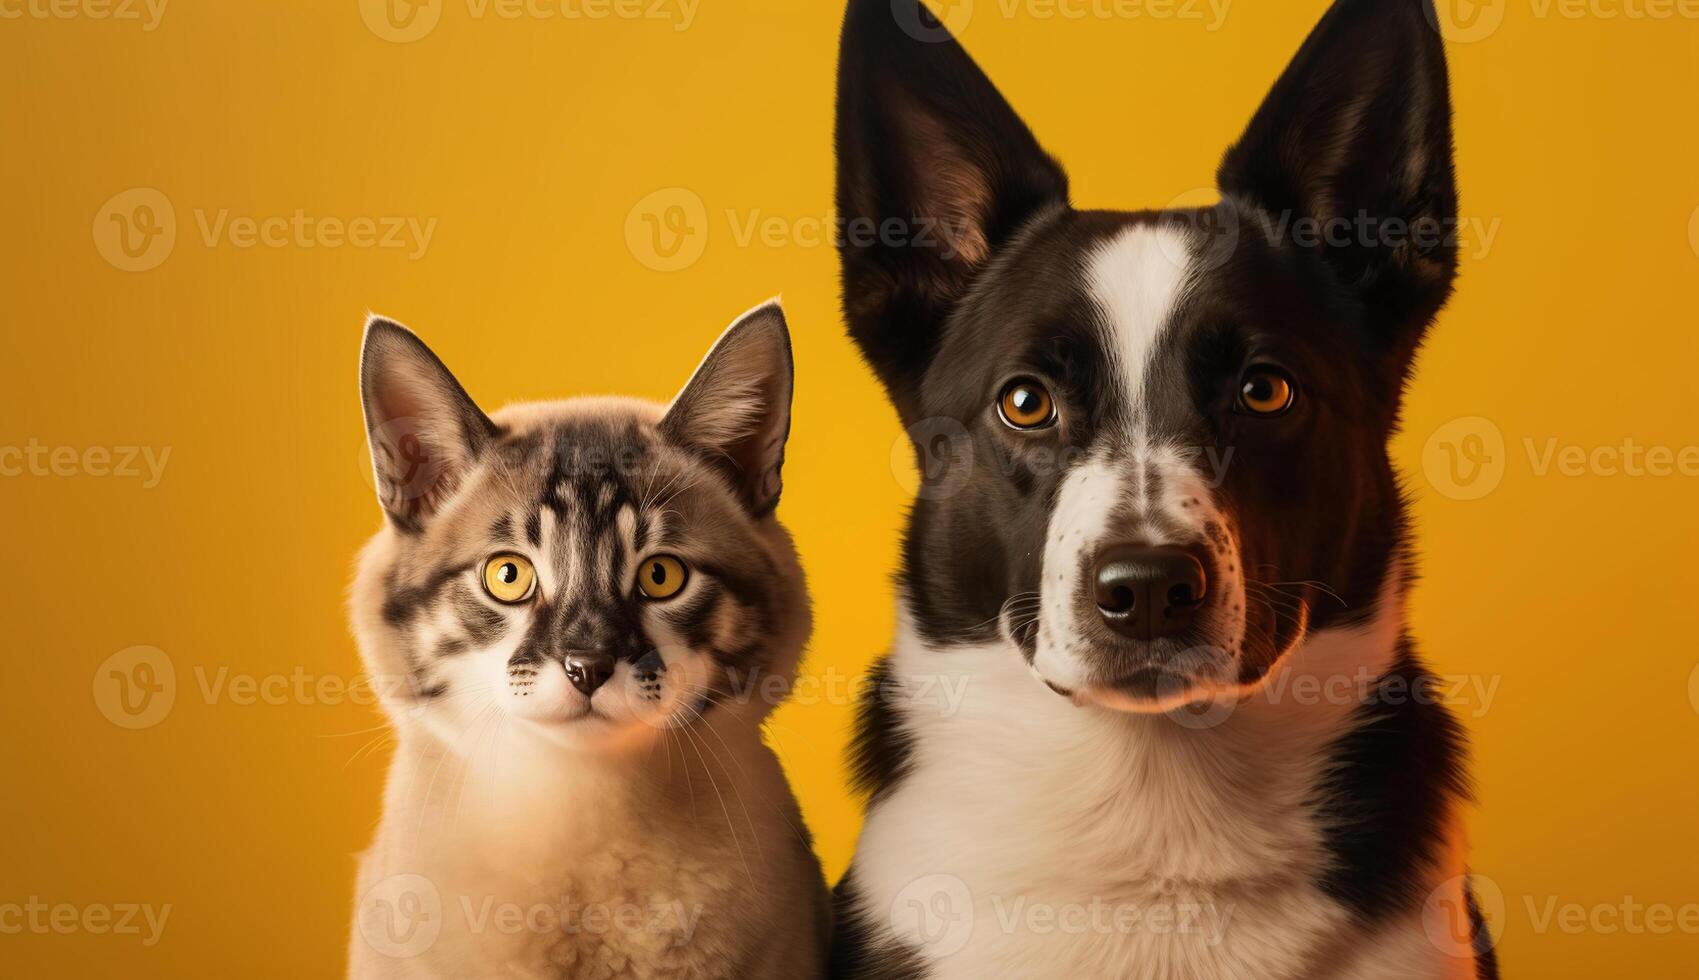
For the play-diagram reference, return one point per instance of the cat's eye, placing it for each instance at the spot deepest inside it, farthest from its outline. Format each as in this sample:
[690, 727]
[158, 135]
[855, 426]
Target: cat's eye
[661, 577]
[509, 578]
[1026, 404]
[1267, 392]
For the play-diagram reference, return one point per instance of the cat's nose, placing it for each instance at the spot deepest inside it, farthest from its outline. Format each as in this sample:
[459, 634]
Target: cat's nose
[588, 671]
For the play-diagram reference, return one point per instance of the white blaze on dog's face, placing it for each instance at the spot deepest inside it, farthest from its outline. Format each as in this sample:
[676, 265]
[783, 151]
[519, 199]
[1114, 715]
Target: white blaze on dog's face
[1167, 461]
[591, 572]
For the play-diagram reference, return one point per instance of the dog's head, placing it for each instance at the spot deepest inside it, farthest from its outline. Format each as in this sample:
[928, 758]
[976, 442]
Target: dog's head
[1153, 443]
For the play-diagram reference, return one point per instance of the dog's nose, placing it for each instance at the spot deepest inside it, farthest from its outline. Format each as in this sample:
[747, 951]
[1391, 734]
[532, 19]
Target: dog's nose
[1148, 593]
[588, 671]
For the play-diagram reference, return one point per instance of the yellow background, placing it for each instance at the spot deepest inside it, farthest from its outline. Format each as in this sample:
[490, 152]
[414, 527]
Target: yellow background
[529, 142]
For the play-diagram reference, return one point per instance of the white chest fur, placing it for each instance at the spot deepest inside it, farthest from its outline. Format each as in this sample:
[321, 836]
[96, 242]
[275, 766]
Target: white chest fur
[1032, 838]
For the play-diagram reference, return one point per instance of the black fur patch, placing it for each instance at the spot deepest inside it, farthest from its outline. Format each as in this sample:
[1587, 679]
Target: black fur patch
[1397, 777]
[881, 747]
[1486, 950]
[863, 953]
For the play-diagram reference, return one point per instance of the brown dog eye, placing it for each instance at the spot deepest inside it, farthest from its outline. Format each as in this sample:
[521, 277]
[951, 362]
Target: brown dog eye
[1026, 404]
[1267, 392]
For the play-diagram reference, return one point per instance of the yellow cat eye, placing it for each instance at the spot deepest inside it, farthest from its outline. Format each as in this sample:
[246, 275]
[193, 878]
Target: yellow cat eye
[509, 578]
[661, 577]
[1267, 392]
[1026, 404]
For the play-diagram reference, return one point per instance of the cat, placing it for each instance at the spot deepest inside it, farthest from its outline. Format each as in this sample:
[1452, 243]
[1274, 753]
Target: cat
[562, 603]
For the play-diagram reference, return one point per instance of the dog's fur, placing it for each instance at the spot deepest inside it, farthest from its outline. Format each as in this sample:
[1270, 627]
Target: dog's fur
[637, 829]
[1277, 793]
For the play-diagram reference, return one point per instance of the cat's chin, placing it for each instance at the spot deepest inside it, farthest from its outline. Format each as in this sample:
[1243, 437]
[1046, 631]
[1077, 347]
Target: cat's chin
[592, 731]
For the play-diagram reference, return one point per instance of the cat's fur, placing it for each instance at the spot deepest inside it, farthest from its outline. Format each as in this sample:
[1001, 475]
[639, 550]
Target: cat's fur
[530, 830]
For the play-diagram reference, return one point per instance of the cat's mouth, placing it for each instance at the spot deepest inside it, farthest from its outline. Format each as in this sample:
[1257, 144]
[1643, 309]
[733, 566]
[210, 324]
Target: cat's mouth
[568, 718]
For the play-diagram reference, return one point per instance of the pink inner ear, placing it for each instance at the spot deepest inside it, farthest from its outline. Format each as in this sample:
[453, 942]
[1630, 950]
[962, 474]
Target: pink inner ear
[396, 398]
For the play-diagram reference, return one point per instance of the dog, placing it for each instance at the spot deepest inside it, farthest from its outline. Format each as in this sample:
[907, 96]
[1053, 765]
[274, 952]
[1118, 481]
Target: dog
[1159, 541]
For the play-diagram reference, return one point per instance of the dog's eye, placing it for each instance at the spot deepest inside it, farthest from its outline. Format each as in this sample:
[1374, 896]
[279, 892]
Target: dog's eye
[1026, 404]
[509, 578]
[1267, 392]
[661, 577]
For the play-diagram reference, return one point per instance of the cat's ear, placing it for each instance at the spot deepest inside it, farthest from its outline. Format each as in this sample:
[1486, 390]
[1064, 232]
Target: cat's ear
[736, 408]
[936, 173]
[423, 429]
[1357, 135]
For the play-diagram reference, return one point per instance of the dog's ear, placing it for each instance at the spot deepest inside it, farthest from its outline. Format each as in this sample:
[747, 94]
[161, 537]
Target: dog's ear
[424, 431]
[1356, 135]
[736, 408]
[935, 173]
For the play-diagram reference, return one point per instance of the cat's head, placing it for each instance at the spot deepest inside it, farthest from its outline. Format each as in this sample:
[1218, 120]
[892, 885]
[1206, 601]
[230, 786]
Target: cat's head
[593, 570]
